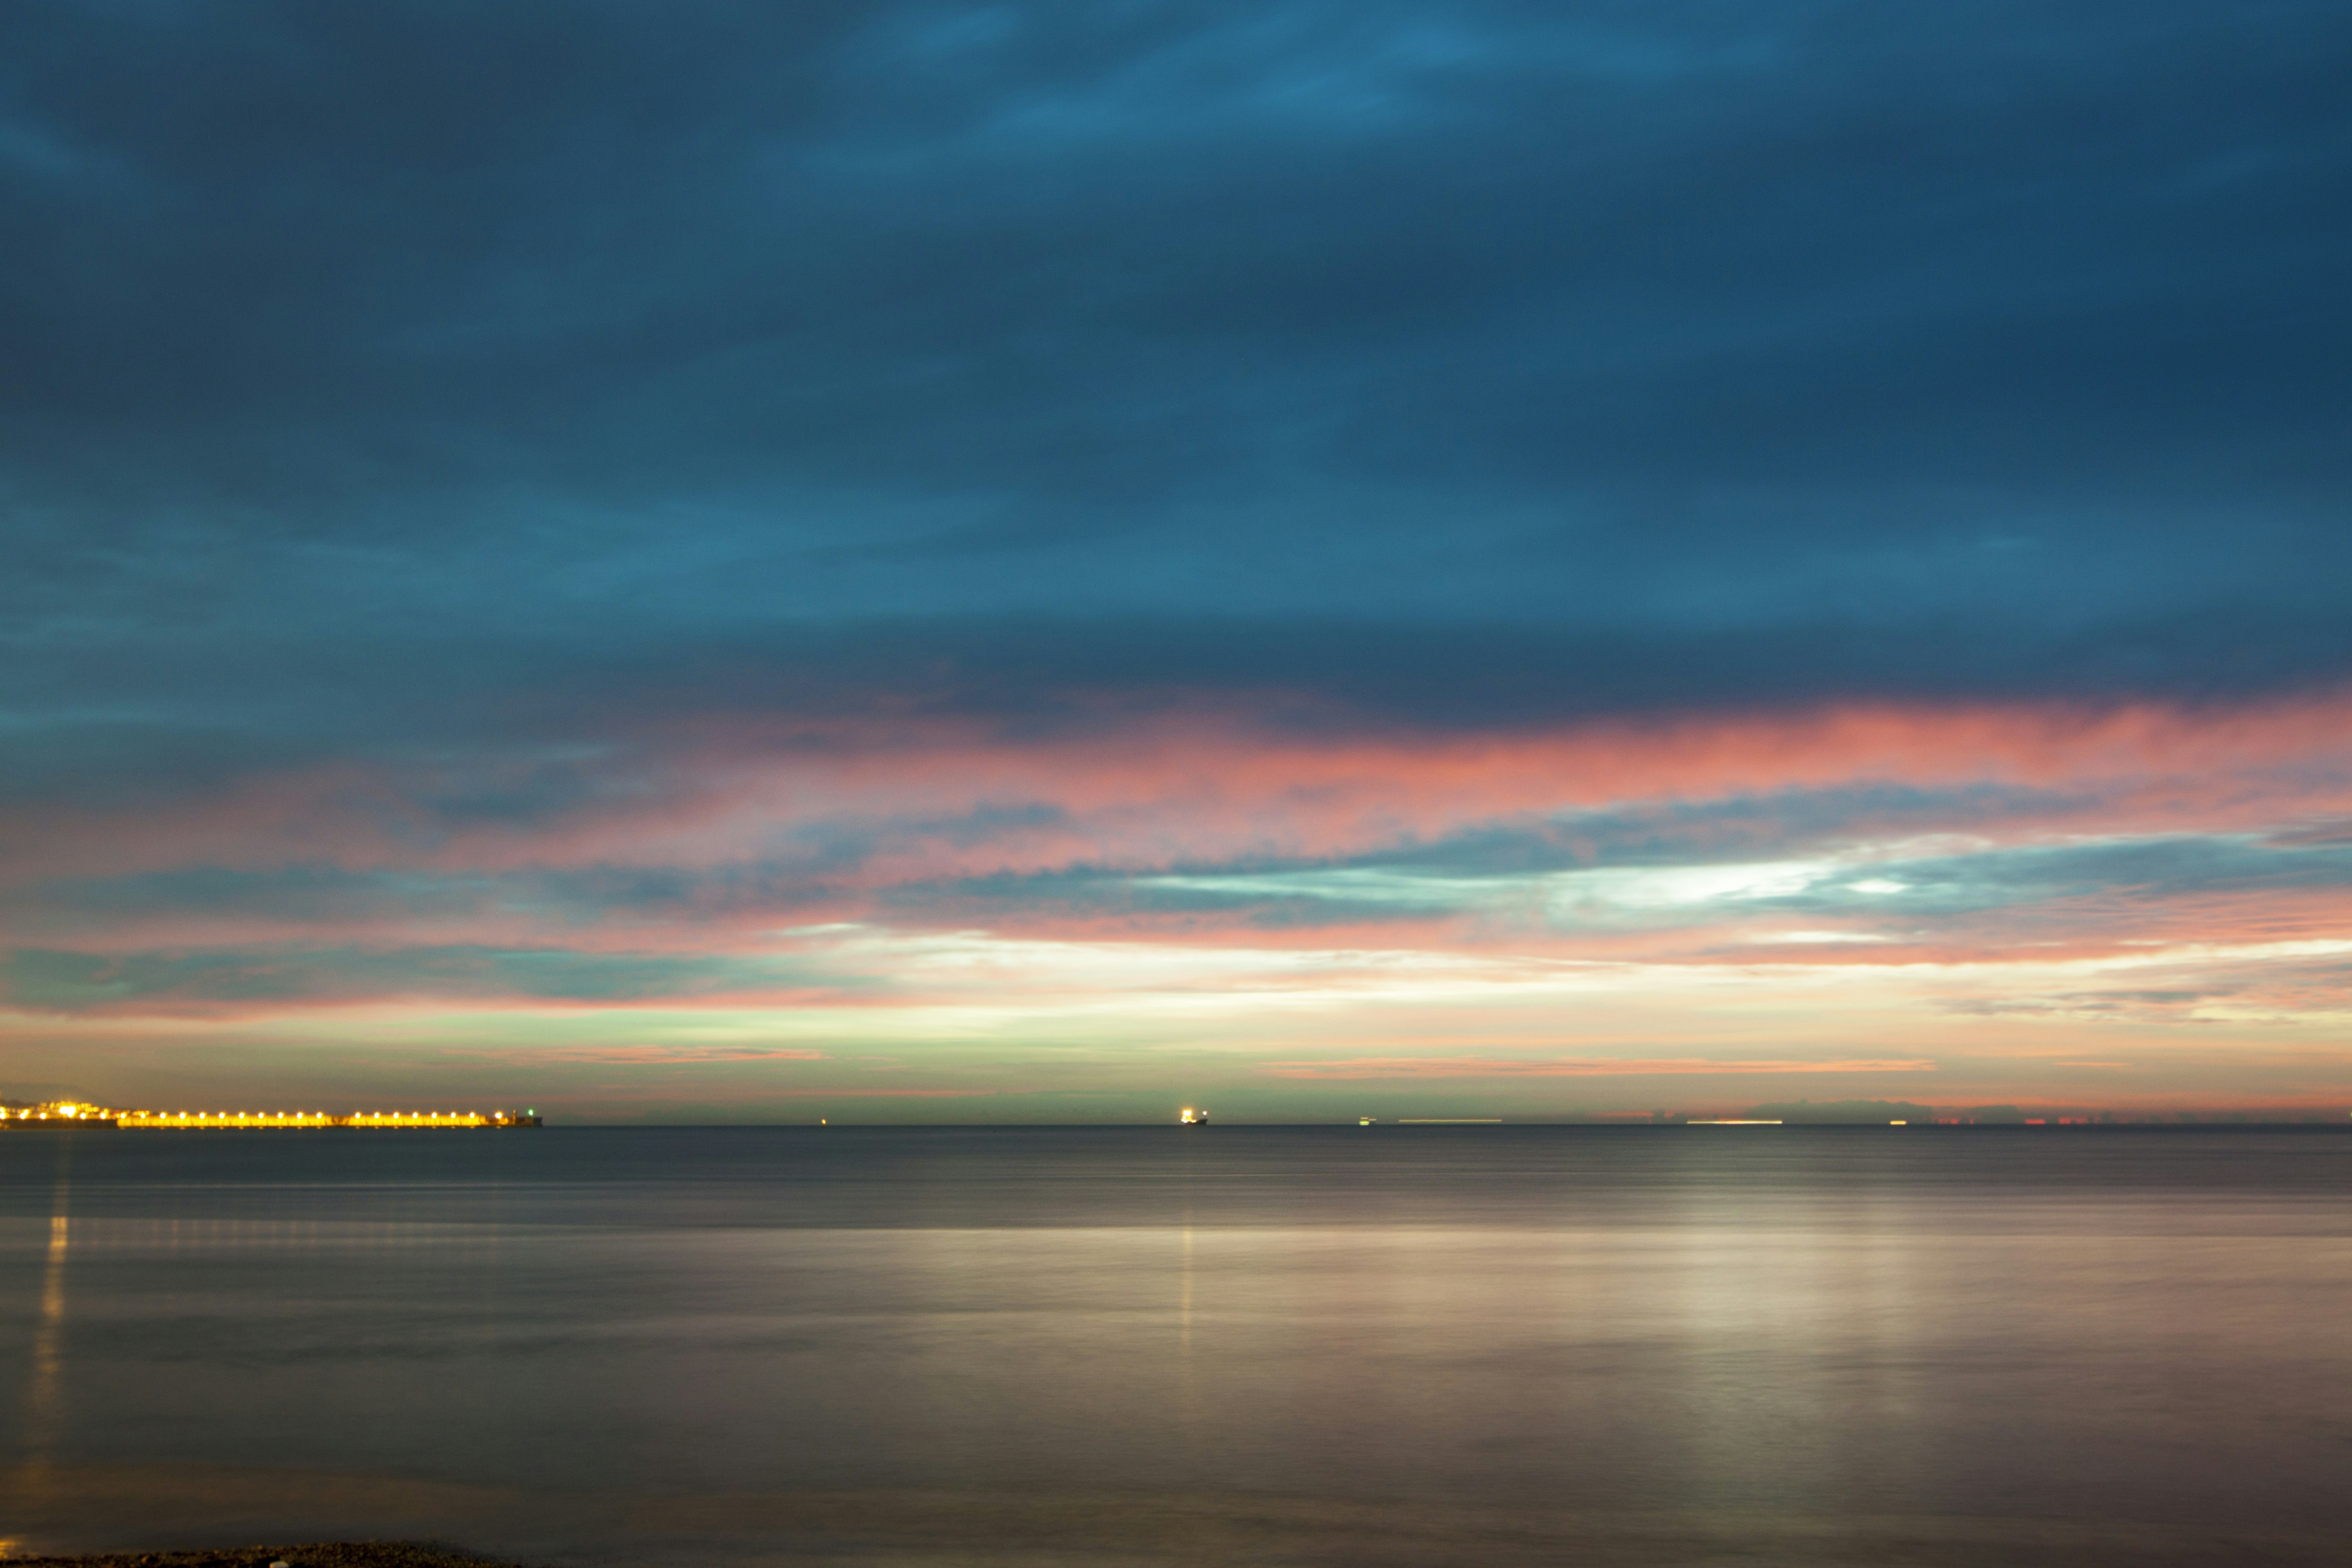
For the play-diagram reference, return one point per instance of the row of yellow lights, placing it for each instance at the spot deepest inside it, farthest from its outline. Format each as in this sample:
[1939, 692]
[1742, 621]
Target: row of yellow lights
[70, 1110]
[308, 1116]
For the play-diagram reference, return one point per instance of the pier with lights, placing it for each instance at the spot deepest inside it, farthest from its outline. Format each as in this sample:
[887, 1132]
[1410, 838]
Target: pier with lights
[68, 1114]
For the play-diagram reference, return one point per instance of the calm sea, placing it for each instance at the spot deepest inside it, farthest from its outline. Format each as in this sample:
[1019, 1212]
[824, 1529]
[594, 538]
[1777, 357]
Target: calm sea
[1154, 1346]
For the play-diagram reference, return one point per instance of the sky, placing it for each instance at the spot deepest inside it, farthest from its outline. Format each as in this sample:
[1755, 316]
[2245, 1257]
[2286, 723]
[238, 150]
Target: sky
[1050, 562]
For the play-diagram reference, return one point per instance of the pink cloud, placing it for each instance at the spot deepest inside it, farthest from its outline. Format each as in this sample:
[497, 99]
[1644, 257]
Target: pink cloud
[716, 795]
[712, 791]
[645, 1055]
[1365, 1067]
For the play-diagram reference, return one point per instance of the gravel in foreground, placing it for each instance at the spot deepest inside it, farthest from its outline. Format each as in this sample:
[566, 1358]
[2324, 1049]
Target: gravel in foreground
[311, 1554]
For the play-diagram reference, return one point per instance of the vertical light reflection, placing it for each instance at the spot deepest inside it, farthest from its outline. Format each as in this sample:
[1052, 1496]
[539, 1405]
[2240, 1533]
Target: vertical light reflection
[1750, 1270]
[48, 1340]
[1191, 1408]
[1184, 1296]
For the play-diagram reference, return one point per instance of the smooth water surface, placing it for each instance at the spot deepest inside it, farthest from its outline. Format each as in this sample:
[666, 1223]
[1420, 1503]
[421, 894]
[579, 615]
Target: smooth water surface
[1345, 1344]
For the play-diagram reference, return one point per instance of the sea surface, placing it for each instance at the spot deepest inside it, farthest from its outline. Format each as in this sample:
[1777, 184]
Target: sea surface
[1157, 1345]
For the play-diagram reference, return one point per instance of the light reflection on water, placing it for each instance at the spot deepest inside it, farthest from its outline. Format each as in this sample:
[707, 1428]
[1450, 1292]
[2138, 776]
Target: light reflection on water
[40, 1417]
[579, 1344]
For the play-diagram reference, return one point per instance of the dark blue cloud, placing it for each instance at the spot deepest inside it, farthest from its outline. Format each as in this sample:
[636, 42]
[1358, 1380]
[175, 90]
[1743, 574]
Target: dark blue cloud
[1881, 860]
[438, 374]
[1582, 876]
[789, 871]
[48, 980]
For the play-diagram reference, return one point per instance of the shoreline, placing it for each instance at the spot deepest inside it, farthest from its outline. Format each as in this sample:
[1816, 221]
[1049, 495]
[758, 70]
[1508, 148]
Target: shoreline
[1306, 1536]
[304, 1554]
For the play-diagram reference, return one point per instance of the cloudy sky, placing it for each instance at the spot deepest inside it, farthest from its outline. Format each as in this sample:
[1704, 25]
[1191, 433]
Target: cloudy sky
[1042, 562]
